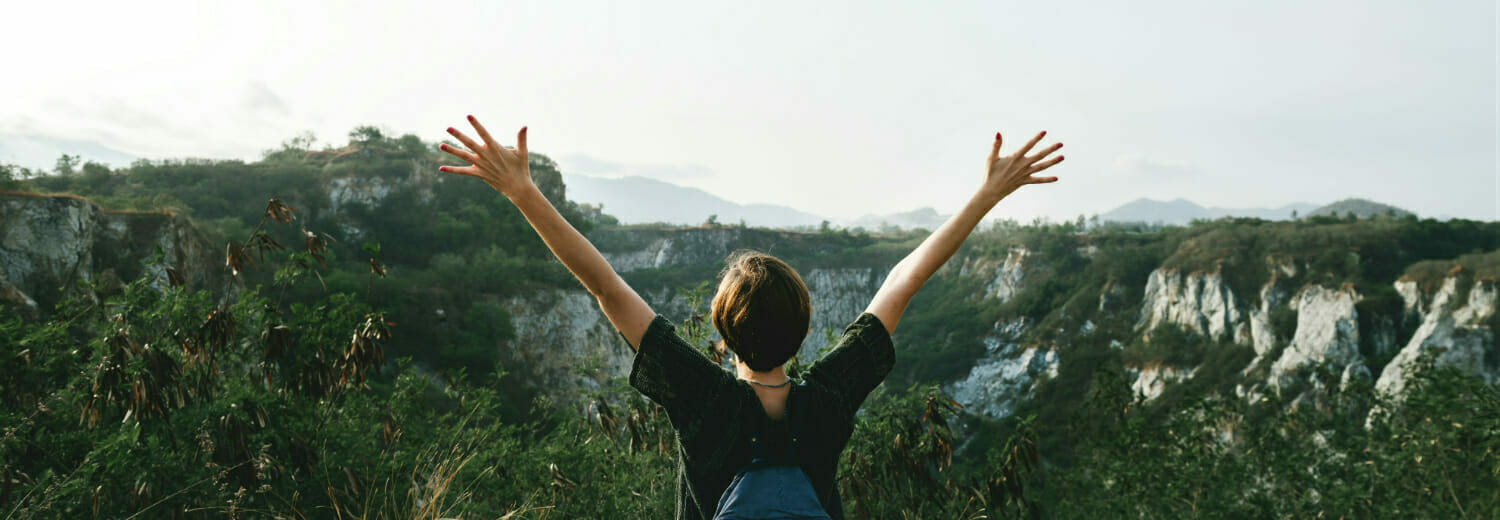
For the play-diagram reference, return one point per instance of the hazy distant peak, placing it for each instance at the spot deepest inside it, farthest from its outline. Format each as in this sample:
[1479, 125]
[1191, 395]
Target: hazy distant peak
[1362, 208]
[924, 218]
[41, 152]
[640, 200]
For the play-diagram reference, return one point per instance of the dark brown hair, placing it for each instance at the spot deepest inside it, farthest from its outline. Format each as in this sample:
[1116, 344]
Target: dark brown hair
[761, 310]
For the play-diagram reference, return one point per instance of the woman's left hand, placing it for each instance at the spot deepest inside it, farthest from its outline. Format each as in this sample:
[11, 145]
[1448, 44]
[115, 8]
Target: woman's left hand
[508, 170]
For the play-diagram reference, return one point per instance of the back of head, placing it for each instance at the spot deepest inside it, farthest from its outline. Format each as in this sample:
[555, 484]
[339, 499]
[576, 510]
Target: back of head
[762, 310]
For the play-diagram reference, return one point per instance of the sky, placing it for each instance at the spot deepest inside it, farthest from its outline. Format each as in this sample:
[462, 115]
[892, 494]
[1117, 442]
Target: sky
[835, 108]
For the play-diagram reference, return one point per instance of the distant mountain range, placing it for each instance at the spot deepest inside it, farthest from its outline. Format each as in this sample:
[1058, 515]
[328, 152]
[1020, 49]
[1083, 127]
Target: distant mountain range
[39, 152]
[639, 200]
[1183, 211]
[924, 218]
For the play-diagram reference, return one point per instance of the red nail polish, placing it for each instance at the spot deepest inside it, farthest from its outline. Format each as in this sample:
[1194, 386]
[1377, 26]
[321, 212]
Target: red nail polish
[471, 117]
[451, 130]
[997, 136]
[442, 147]
[1044, 133]
[443, 168]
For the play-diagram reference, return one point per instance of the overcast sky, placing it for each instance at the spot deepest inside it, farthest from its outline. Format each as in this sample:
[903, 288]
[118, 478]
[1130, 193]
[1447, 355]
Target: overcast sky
[834, 108]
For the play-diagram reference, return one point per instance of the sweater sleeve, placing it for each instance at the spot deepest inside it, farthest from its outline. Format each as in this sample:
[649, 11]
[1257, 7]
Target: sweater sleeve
[860, 360]
[676, 376]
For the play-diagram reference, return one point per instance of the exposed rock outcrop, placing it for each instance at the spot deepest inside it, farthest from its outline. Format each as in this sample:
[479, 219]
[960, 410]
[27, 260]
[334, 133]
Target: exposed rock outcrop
[564, 343]
[1151, 381]
[1327, 332]
[687, 246]
[838, 297]
[1008, 276]
[1199, 302]
[1457, 331]
[357, 189]
[47, 243]
[1007, 374]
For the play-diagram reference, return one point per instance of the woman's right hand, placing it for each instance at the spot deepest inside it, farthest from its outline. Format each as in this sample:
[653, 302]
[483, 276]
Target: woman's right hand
[1004, 175]
[508, 170]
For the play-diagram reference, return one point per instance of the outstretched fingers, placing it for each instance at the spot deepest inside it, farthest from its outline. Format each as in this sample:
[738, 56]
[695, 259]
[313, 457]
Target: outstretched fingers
[1044, 153]
[472, 171]
[466, 140]
[460, 153]
[1045, 164]
[1029, 144]
[489, 142]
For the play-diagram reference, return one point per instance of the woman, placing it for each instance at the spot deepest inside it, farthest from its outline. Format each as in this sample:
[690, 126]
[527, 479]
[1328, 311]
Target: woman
[761, 311]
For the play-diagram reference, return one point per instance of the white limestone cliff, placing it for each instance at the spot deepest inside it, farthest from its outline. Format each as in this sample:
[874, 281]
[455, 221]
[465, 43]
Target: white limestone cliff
[1006, 375]
[1007, 277]
[681, 247]
[1151, 381]
[1327, 332]
[1003, 277]
[1199, 302]
[1456, 330]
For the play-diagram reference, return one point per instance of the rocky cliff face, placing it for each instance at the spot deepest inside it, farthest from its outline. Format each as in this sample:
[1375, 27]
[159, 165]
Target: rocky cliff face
[1005, 277]
[1009, 371]
[1151, 381]
[1327, 332]
[1327, 329]
[565, 344]
[48, 243]
[685, 247]
[1007, 374]
[1457, 330]
[1199, 302]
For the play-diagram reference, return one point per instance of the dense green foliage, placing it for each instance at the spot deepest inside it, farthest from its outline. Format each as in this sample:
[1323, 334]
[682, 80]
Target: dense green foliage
[457, 249]
[1222, 458]
[158, 401]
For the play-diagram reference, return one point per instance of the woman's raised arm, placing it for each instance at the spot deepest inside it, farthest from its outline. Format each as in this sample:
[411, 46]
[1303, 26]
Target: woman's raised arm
[508, 170]
[1003, 175]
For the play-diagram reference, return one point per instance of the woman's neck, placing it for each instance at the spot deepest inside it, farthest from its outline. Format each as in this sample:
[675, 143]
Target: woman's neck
[773, 376]
[772, 390]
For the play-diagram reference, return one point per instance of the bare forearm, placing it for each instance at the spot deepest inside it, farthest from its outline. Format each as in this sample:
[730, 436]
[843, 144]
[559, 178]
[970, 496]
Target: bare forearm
[566, 243]
[913, 271]
[622, 305]
[927, 258]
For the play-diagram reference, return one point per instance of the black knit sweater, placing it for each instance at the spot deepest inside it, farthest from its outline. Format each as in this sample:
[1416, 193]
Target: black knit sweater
[711, 410]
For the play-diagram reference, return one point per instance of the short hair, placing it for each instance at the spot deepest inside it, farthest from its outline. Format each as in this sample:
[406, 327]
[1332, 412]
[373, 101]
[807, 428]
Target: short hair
[762, 309]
